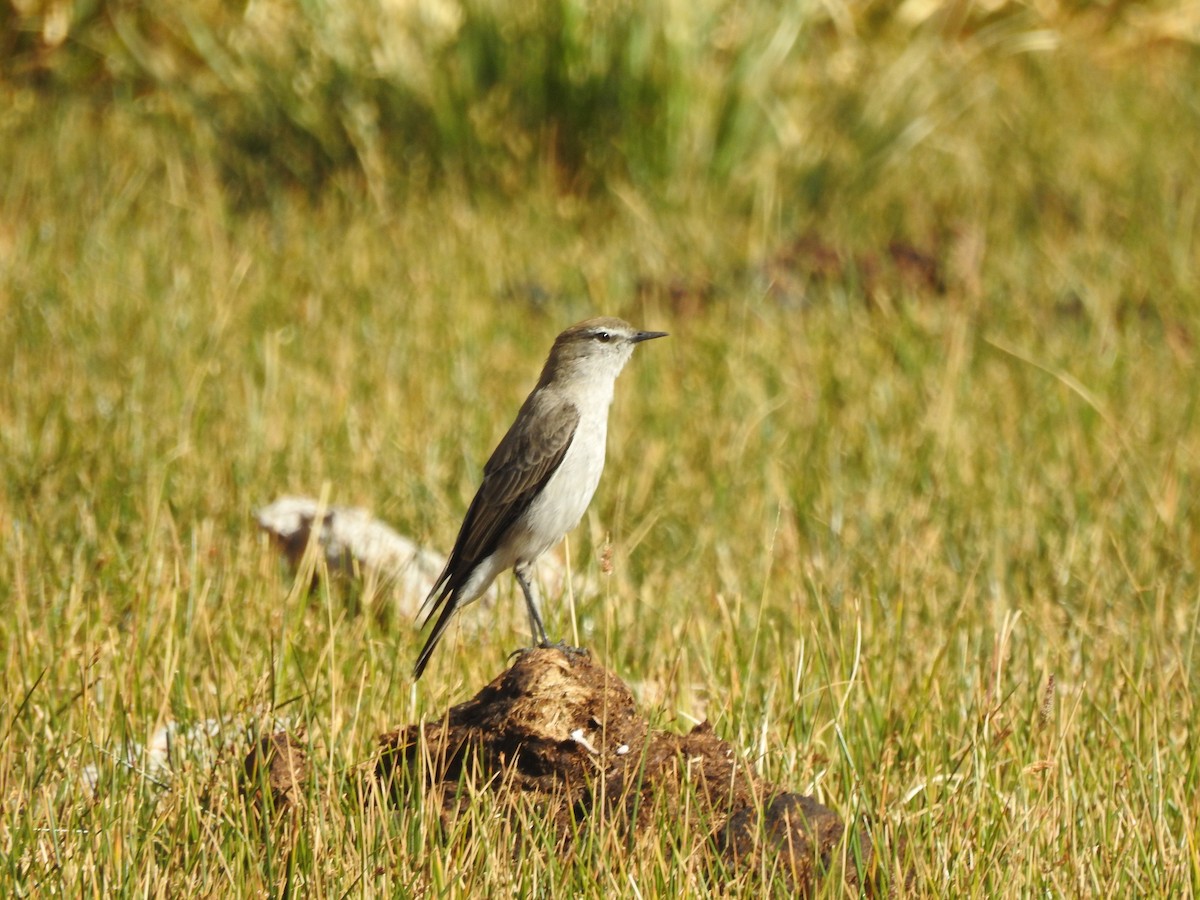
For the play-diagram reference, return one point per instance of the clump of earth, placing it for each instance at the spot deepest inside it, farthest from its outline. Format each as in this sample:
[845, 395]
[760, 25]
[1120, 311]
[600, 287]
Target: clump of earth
[565, 735]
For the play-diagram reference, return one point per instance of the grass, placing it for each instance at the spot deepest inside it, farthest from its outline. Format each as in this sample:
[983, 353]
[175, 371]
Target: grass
[931, 557]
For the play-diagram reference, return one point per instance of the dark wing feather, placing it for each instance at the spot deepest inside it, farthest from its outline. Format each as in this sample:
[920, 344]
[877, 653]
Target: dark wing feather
[519, 468]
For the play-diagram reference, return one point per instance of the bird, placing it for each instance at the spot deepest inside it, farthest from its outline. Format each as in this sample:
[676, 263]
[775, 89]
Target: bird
[539, 480]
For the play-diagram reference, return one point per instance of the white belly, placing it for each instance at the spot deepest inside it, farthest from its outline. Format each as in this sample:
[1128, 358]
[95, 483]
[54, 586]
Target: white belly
[565, 498]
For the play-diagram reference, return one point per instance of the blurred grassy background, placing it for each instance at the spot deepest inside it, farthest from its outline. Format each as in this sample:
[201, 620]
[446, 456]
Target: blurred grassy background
[906, 506]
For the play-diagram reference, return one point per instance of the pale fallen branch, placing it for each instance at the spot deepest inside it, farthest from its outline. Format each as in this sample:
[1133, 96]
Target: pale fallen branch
[356, 543]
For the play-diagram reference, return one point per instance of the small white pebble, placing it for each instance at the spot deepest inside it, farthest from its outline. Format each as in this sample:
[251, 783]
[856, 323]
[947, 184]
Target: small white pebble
[580, 738]
[622, 750]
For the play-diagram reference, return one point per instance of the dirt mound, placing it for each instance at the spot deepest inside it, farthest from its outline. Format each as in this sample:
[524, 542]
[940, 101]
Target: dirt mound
[277, 764]
[565, 733]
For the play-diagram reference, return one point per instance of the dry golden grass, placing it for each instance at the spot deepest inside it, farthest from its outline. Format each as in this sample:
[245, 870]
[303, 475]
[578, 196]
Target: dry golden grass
[931, 557]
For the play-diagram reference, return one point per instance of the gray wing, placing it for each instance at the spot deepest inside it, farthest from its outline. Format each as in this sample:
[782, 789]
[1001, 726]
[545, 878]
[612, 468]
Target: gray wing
[519, 468]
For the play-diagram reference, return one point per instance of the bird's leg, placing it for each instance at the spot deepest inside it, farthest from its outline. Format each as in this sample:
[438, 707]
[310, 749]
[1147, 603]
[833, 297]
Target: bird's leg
[540, 640]
[535, 620]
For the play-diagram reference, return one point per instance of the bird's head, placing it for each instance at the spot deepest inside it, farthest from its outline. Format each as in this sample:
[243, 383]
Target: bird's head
[595, 348]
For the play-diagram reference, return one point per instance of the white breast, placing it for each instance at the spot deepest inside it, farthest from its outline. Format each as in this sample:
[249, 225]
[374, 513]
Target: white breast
[565, 498]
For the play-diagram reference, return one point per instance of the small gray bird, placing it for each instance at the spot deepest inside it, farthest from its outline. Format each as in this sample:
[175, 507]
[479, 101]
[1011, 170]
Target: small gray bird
[541, 477]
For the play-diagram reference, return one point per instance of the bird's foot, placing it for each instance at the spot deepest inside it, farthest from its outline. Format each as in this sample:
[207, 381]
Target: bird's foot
[565, 648]
[561, 646]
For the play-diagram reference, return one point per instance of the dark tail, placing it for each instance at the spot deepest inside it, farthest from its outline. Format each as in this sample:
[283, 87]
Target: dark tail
[449, 606]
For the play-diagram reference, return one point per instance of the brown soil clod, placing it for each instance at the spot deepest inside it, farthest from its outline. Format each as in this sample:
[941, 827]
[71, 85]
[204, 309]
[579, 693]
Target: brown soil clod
[278, 763]
[564, 733]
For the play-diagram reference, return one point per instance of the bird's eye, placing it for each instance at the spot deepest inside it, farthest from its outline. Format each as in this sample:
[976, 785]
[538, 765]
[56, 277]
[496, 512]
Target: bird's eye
[603, 337]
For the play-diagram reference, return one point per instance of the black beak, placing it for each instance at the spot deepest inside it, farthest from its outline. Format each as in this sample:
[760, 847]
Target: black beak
[647, 336]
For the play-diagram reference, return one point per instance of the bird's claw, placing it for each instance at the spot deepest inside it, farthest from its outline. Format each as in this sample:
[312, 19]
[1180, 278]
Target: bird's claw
[561, 646]
[564, 648]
